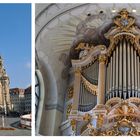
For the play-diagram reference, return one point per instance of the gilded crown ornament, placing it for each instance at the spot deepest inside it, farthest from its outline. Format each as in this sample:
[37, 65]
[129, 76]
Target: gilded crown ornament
[124, 20]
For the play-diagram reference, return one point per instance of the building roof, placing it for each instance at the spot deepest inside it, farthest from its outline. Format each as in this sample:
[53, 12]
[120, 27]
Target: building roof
[17, 90]
[28, 90]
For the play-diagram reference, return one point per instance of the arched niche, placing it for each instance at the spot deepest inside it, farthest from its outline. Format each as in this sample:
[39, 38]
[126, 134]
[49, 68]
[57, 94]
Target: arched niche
[49, 115]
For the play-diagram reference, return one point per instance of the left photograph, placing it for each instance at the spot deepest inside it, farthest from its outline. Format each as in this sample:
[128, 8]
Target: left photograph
[15, 70]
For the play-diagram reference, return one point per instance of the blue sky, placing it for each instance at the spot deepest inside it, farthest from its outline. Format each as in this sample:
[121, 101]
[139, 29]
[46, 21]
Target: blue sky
[15, 42]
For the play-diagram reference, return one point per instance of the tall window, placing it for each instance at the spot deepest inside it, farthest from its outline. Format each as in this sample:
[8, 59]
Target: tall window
[37, 94]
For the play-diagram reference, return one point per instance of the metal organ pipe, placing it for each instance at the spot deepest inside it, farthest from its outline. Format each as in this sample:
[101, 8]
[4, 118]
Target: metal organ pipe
[107, 83]
[86, 100]
[132, 69]
[111, 75]
[128, 70]
[124, 69]
[120, 70]
[117, 72]
[135, 73]
[138, 64]
[108, 91]
[123, 72]
[113, 78]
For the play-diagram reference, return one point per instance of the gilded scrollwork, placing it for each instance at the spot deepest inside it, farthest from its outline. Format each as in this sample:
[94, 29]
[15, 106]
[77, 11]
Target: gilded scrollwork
[73, 124]
[102, 58]
[89, 86]
[120, 128]
[77, 70]
[100, 120]
[124, 21]
[91, 63]
[87, 117]
[70, 92]
[125, 29]
[69, 107]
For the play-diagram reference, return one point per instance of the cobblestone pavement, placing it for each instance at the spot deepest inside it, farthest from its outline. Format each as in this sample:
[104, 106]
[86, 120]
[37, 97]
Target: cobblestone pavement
[14, 123]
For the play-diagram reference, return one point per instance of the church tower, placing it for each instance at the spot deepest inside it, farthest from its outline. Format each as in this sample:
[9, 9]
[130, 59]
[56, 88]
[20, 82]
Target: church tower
[4, 90]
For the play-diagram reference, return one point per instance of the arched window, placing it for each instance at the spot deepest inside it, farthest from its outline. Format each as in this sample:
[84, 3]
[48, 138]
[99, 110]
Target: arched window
[37, 94]
[39, 98]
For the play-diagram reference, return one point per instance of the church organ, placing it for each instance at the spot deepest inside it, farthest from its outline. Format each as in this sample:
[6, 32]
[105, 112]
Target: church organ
[106, 85]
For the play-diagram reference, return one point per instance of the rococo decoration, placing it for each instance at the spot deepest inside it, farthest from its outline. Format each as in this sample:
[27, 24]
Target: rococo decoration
[105, 98]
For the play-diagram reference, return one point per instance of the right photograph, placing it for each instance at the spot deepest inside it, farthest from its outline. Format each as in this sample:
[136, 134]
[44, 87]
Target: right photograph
[87, 74]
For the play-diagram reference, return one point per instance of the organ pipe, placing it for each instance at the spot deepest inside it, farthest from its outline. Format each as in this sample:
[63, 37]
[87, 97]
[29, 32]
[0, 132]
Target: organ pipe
[138, 69]
[124, 68]
[120, 69]
[139, 79]
[107, 79]
[117, 72]
[123, 72]
[135, 73]
[128, 70]
[132, 70]
[114, 62]
[111, 75]
[122, 75]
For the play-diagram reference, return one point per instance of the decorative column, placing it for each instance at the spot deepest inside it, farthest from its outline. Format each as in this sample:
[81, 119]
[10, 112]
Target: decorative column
[101, 80]
[75, 103]
[77, 82]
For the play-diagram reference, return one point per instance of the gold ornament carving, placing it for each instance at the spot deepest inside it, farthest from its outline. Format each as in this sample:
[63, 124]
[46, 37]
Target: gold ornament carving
[73, 124]
[69, 107]
[70, 92]
[84, 46]
[77, 70]
[89, 64]
[90, 87]
[124, 21]
[102, 58]
[125, 29]
[100, 120]
[87, 117]
[121, 128]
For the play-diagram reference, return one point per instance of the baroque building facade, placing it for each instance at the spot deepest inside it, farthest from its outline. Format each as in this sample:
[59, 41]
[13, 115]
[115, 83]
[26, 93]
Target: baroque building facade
[5, 104]
[17, 100]
[28, 100]
[87, 70]
[20, 100]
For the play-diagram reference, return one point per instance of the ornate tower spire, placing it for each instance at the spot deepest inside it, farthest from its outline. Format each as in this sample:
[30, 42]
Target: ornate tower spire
[4, 89]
